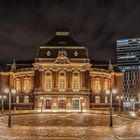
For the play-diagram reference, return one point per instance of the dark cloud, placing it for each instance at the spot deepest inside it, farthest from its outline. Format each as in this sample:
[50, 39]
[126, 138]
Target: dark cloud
[25, 25]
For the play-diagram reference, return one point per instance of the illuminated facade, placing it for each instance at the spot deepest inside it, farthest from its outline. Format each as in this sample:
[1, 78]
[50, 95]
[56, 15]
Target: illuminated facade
[61, 78]
[128, 61]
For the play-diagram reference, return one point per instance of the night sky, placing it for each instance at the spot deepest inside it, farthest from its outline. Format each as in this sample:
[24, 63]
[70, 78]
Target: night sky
[27, 24]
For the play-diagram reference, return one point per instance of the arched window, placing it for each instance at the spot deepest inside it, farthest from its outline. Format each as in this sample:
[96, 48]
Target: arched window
[48, 83]
[62, 81]
[106, 84]
[97, 85]
[26, 84]
[76, 81]
[18, 84]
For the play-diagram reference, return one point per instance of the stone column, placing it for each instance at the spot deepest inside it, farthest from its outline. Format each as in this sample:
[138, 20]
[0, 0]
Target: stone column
[55, 80]
[83, 79]
[36, 79]
[87, 79]
[40, 79]
[54, 103]
[69, 80]
[69, 103]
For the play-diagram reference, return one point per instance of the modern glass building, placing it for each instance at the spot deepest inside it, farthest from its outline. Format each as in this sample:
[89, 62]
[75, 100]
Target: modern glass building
[128, 61]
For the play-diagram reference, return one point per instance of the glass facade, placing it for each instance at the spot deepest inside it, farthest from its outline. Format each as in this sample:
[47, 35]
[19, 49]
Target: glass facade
[128, 54]
[128, 61]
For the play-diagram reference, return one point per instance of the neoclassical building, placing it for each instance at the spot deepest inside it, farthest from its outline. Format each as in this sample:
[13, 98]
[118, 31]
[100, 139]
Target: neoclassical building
[61, 78]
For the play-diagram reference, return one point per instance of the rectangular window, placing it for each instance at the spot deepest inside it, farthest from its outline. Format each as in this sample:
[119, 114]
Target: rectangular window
[106, 99]
[26, 99]
[62, 85]
[97, 99]
[106, 85]
[26, 85]
[18, 85]
[76, 85]
[17, 99]
[48, 85]
[97, 86]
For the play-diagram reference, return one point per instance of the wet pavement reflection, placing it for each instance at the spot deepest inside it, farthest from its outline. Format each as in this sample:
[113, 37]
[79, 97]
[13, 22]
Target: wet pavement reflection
[69, 126]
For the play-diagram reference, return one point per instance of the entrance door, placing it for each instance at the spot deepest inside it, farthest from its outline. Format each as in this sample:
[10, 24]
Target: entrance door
[62, 104]
[48, 104]
[75, 104]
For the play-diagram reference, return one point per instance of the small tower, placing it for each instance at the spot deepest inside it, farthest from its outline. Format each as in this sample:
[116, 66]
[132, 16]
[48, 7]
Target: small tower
[110, 66]
[13, 66]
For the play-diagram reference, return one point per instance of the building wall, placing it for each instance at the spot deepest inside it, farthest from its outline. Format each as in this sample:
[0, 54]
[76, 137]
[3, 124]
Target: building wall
[128, 61]
[62, 100]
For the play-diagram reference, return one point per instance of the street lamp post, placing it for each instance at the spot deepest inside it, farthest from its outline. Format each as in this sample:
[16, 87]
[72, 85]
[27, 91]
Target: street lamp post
[111, 92]
[119, 98]
[2, 103]
[8, 91]
[81, 98]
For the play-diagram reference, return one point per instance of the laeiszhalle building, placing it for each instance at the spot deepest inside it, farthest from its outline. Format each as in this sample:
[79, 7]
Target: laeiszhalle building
[61, 78]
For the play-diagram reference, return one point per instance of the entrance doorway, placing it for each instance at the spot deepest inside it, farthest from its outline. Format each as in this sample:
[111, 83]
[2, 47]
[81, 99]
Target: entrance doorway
[48, 104]
[62, 104]
[76, 104]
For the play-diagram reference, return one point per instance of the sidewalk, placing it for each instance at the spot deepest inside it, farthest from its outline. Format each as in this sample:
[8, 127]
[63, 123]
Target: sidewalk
[126, 114]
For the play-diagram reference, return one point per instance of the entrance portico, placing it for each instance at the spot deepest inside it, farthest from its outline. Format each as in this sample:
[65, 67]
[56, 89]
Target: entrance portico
[61, 103]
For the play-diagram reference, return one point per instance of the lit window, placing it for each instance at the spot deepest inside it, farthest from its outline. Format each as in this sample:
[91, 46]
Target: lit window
[62, 81]
[97, 85]
[17, 99]
[76, 82]
[26, 99]
[48, 81]
[105, 86]
[18, 84]
[106, 99]
[97, 99]
[26, 84]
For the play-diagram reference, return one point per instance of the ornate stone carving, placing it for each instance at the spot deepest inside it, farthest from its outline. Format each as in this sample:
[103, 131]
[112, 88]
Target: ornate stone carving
[48, 53]
[75, 53]
[62, 58]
